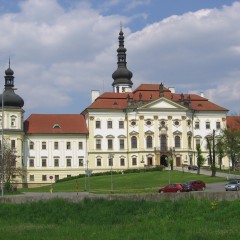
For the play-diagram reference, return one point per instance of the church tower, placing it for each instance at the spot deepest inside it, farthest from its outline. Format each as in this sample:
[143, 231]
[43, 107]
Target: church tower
[122, 76]
[11, 119]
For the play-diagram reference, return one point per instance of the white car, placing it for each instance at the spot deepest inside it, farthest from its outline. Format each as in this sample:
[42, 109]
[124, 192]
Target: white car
[233, 185]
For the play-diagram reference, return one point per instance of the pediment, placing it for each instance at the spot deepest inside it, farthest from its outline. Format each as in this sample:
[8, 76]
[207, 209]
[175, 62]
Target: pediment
[163, 103]
[149, 132]
[133, 133]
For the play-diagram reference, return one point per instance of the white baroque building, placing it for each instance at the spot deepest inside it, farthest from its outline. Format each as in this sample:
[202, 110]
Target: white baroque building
[121, 129]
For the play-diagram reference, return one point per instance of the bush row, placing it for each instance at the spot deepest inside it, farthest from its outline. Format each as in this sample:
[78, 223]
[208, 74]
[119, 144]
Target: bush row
[140, 170]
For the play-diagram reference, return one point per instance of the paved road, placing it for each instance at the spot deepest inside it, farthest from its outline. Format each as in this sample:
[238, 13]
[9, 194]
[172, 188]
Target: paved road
[213, 187]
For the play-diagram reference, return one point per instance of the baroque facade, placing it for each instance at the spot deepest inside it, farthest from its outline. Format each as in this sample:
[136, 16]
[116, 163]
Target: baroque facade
[121, 129]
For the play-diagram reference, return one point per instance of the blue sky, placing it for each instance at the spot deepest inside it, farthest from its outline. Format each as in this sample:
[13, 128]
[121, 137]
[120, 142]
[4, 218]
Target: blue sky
[60, 50]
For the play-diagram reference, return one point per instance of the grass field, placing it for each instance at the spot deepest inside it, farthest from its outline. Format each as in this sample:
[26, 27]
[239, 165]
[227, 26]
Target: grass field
[125, 183]
[128, 220]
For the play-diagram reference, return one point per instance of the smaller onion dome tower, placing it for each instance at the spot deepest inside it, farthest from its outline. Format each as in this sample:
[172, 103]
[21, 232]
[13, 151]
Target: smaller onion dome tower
[9, 97]
[122, 76]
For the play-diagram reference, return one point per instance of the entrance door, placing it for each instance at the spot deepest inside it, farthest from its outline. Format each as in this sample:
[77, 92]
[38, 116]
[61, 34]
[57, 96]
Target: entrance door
[178, 161]
[163, 160]
[149, 159]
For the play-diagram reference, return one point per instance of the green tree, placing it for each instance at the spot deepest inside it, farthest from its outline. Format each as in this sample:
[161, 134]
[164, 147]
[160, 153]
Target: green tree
[220, 151]
[231, 145]
[200, 158]
[212, 152]
[10, 168]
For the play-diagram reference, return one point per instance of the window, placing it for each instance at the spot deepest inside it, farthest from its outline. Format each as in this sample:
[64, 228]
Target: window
[134, 142]
[44, 145]
[121, 124]
[189, 123]
[207, 125]
[80, 162]
[109, 124]
[197, 126]
[98, 124]
[68, 176]
[56, 162]
[13, 144]
[133, 123]
[80, 145]
[162, 123]
[149, 122]
[177, 142]
[69, 162]
[218, 125]
[149, 142]
[44, 177]
[134, 161]
[110, 162]
[44, 162]
[98, 143]
[121, 143]
[13, 121]
[176, 123]
[110, 143]
[122, 162]
[56, 177]
[31, 163]
[68, 145]
[31, 178]
[31, 145]
[197, 142]
[189, 142]
[99, 162]
[55, 145]
[163, 142]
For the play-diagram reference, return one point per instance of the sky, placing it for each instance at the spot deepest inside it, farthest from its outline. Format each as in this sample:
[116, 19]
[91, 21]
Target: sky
[61, 50]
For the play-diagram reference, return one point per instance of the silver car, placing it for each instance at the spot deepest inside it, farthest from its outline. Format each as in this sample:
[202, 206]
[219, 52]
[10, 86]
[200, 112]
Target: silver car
[233, 185]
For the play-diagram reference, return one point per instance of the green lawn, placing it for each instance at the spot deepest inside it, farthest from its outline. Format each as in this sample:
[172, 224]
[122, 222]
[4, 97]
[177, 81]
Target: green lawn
[125, 183]
[118, 219]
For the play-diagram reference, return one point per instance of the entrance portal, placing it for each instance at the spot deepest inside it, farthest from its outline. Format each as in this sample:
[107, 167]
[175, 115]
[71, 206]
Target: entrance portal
[164, 160]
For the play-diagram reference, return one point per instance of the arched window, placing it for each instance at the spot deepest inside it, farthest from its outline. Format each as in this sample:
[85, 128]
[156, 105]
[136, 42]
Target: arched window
[149, 142]
[134, 142]
[163, 142]
[177, 142]
[189, 142]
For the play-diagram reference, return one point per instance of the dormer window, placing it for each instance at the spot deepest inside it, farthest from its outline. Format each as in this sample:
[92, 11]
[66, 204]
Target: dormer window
[56, 126]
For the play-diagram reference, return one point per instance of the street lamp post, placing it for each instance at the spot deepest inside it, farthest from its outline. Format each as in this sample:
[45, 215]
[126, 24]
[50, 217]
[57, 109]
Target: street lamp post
[111, 155]
[2, 185]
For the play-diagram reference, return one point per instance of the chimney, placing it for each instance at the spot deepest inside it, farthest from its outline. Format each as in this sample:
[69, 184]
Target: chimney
[172, 89]
[202, 94]
[95, 94]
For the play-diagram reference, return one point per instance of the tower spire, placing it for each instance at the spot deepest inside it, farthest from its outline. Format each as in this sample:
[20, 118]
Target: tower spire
[122, 76]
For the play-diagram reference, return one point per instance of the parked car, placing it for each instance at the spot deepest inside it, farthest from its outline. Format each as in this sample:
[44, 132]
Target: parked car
[194, 185]
[175, 187]
[233, 185]
[193, 167]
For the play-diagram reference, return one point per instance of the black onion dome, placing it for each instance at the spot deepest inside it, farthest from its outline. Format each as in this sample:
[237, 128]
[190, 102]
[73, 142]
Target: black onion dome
[11, 99]
[9, 72]
[122, 74]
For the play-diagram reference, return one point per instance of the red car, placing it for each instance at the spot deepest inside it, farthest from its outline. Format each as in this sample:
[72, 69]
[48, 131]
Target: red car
[194, 185]
[175, 187]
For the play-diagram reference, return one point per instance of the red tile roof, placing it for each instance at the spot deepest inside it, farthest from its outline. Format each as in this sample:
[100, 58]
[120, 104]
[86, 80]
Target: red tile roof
[233, 122]
[44, 124]
[150, 92]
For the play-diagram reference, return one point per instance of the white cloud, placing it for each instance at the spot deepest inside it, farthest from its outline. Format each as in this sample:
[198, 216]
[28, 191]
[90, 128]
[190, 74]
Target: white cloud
[59, 55]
